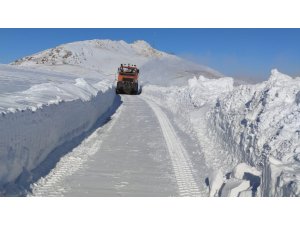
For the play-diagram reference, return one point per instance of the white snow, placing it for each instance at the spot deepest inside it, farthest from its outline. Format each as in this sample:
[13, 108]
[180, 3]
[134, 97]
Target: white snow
[27, 137]
[242, 168]
[254, 124]
[259, 122]
[51, 97]
[99, 59]
[248, 131]
[234, 187]
[48, 114]
[179, 157]
[70, 163]
[216, 180]
[204, 90]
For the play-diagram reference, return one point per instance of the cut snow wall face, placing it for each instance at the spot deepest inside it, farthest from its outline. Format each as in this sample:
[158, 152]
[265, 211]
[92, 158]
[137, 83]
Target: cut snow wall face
[256, 122]
[27, 136]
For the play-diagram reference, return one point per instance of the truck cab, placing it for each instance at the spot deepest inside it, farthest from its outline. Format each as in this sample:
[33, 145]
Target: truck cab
[127, 81]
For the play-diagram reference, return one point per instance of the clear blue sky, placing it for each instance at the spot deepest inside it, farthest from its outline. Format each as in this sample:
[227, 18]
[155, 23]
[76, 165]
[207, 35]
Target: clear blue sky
[234, 52]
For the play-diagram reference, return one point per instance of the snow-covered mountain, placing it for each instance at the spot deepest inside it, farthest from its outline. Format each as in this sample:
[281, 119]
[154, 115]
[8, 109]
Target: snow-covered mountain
[97, 59]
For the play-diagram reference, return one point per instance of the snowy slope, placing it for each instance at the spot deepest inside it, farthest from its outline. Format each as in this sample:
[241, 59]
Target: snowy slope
[101, 58]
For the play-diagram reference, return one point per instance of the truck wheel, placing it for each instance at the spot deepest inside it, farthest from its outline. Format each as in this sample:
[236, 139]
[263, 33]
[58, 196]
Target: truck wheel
[136, 89]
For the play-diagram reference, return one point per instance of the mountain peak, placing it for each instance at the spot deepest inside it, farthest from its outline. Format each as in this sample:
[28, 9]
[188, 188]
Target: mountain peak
[103, 57]
[141, 44]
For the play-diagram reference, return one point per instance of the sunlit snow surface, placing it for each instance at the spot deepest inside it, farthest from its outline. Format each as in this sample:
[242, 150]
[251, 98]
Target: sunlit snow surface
[238, 140]
[257, 124]
[101, 58]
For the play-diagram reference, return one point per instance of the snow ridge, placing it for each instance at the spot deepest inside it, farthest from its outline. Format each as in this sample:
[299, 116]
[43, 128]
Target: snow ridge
[259, 124]
[256, 124]
[29, 135]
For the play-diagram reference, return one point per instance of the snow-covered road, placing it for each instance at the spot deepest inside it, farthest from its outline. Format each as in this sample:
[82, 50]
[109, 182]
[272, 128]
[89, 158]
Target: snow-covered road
[190, 132]
[137, 153]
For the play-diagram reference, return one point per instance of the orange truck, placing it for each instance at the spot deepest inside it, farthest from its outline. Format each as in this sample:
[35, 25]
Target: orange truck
[127, 81]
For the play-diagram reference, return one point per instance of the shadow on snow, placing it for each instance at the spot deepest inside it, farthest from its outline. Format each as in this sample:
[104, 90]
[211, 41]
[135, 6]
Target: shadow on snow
[22, 185]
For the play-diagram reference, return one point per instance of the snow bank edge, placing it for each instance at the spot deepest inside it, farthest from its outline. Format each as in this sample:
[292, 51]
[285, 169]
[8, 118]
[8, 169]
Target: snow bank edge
[29, 136]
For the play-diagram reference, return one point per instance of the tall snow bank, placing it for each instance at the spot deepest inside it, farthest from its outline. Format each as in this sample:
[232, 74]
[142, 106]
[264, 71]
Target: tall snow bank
[36, 121]
[255, 124]
[198, 92]
[260, 122]
[190, 104]
[203, 90]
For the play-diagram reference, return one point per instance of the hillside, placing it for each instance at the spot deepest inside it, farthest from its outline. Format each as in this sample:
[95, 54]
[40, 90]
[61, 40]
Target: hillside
[98, 59]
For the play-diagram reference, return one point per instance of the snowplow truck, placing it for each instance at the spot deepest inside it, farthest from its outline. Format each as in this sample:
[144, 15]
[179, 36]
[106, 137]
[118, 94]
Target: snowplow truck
[127, 81]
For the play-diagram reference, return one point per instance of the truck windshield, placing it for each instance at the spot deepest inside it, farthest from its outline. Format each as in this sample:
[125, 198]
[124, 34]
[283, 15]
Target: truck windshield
[127, 74]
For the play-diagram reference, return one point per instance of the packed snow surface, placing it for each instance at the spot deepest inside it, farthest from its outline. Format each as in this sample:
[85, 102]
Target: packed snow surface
[139, 162]
[50, 98]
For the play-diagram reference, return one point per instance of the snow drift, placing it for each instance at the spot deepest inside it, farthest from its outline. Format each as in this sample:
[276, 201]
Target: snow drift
[259, 124]
[35, 121]
[253, 124]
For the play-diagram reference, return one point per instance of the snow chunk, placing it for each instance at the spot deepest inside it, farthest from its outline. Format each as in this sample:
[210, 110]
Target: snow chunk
[204, 90]
[278, 77]
[141, 44]
[88, 89]
[297, 98]
[282, 179]
[233, 187]
[256, 122]
[216, 180]
[247, 193]
[242, 168]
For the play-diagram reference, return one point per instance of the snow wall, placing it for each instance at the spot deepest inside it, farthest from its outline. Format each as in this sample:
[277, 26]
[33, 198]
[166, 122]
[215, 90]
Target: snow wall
[259, 124]
[256, 124]
[29, 134]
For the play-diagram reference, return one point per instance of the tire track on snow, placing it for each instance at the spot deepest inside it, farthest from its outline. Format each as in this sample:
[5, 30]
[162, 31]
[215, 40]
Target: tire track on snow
[73, 161]
[180, 160]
